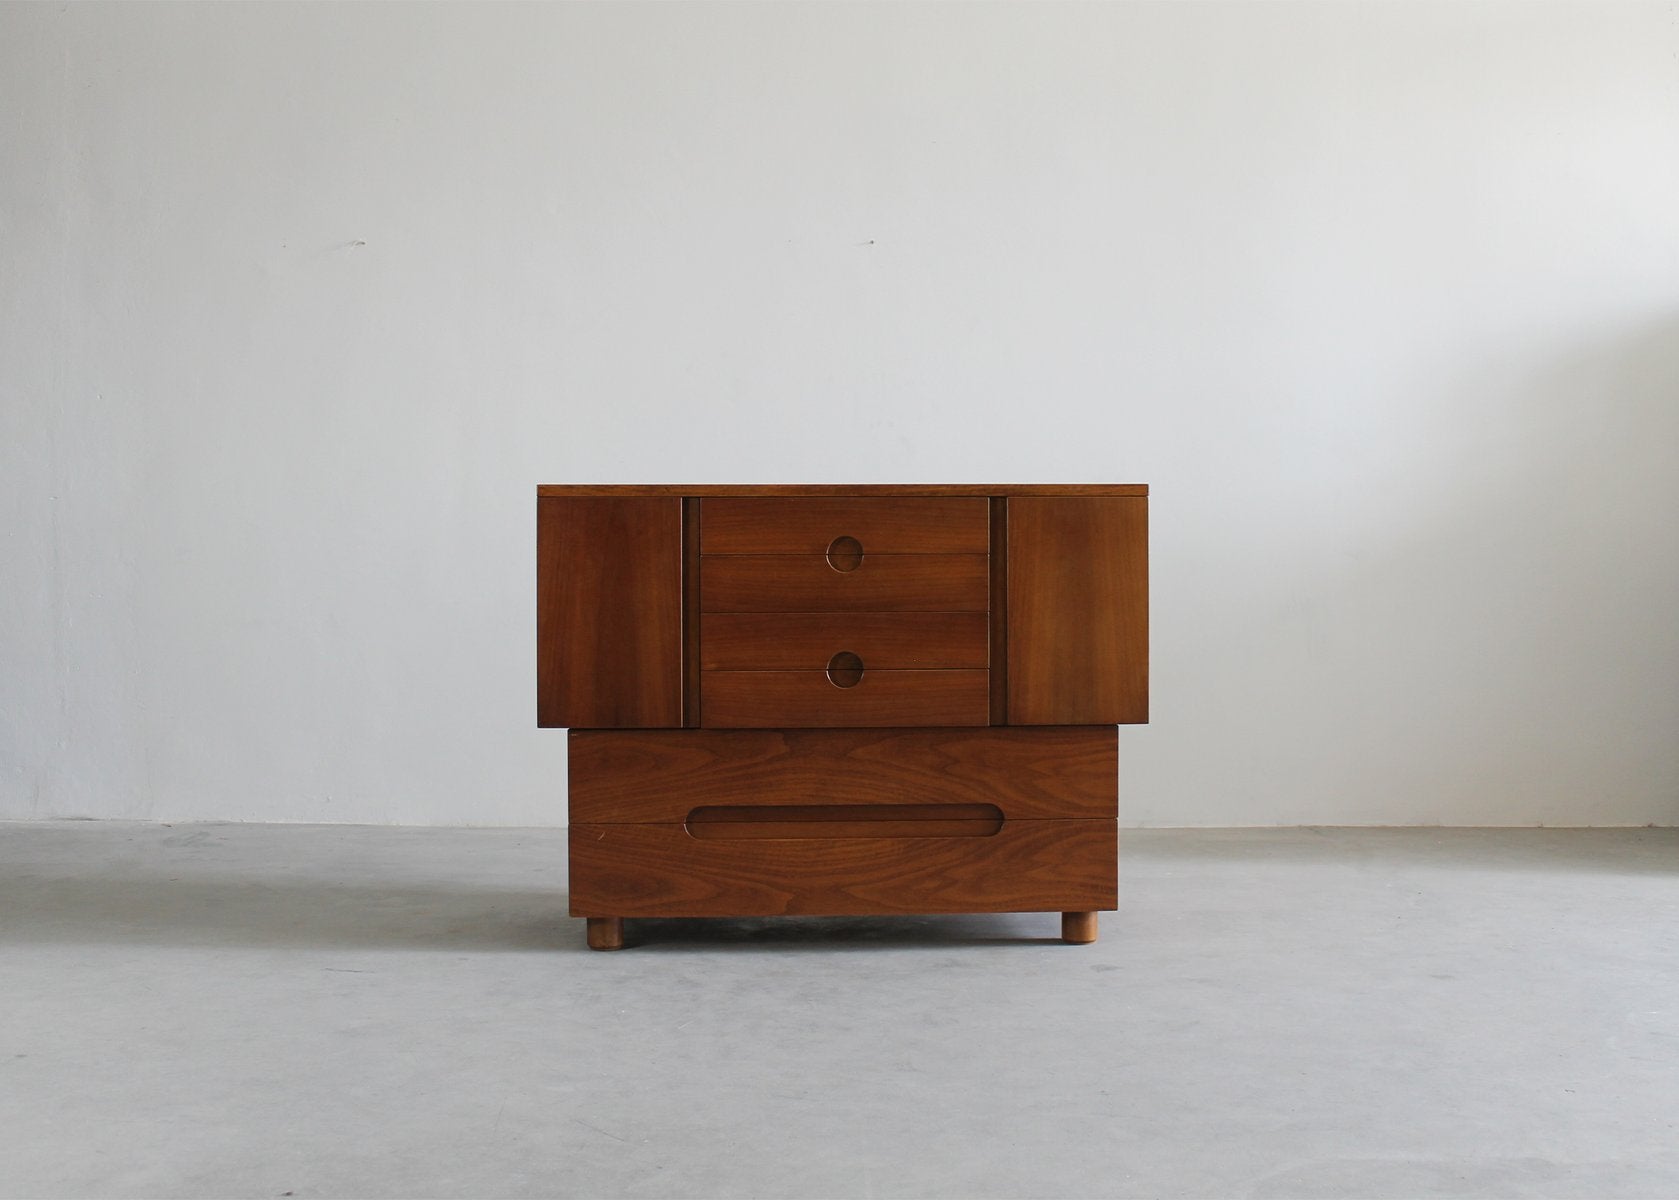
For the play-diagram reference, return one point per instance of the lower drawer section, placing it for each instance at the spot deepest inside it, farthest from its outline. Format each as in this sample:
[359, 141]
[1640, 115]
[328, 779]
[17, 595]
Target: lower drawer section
[664, 871]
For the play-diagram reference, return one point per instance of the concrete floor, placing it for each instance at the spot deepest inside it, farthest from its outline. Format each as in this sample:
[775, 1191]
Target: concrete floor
[267, 1011]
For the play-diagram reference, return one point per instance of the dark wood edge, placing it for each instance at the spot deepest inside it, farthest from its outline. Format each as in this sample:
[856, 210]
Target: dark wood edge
[999, 615]
[690, 613]
[843, 489]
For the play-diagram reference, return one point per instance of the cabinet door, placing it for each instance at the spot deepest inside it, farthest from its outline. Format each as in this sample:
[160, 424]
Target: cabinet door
[609, 612]
[1077, 610]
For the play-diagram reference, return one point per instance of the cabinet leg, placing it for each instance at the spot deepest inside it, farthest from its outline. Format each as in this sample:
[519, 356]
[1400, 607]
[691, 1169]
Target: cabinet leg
[1078, 928]
[606, 933]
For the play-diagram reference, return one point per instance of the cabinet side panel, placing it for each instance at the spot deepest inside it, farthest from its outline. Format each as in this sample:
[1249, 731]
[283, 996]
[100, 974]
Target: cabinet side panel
[1077, 610]
[609, 612]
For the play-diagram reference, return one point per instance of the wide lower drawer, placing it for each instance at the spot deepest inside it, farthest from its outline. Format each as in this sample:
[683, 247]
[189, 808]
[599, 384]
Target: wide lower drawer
[809, 641]
[777, 699]
[752, 583]
[660, 776]
[894, 525]
[663, 871]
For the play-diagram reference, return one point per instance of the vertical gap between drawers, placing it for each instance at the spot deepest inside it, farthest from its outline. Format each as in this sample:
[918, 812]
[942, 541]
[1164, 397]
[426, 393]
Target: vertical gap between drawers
[998, 616]
[690, 612]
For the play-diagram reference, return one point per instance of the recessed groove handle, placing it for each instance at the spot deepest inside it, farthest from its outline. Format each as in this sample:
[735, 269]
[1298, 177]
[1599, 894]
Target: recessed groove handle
[845, 669]
[811, 822]
[845, 554]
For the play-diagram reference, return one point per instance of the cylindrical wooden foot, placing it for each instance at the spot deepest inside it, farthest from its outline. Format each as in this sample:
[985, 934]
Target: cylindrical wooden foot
[1078, 928]
[606, 933]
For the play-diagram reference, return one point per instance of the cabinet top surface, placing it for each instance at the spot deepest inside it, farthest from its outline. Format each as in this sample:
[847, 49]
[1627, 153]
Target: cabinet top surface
[842, 489]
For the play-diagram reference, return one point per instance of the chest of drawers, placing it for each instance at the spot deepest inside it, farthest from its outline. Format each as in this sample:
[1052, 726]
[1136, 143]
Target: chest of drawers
[835, 700]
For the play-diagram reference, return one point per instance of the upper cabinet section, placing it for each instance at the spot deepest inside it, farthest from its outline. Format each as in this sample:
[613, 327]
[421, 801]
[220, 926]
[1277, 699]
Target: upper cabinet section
[609, 612]
[797, 607]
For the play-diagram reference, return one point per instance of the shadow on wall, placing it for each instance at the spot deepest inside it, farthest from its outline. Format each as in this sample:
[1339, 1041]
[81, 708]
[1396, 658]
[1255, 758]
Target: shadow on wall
[1555, 661]
[1474, 619]
[1374, 850]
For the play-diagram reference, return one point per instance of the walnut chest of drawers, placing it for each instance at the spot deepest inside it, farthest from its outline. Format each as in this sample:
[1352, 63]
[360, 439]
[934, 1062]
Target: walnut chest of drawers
[837, 700]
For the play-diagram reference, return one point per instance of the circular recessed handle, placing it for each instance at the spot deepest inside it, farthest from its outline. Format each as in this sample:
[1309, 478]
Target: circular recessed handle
[845, 554]
[845, 669]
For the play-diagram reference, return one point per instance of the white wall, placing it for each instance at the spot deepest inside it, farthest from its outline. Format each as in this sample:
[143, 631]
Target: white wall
[301, 302]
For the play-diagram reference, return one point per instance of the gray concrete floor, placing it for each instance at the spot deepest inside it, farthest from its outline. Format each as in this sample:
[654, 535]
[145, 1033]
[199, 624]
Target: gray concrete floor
[266, 1011]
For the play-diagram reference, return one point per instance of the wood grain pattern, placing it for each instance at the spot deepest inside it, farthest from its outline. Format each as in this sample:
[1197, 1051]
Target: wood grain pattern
[659, 776]
[842, 489]
[609, 612]
[660, 871]
[908, 525]
[808, 821]
[774, 699]
[806, 583]
[1078, 610]
[805, 641]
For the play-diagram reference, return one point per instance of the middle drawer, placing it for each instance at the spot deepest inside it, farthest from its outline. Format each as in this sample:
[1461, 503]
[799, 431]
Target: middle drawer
[756, 583]
[897, 641]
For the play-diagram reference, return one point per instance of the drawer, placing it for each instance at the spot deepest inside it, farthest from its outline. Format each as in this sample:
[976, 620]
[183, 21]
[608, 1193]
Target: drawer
[775, 699]
[898, 525]
[654, 776]
[807, 641]
[664, 871]
[807, 583]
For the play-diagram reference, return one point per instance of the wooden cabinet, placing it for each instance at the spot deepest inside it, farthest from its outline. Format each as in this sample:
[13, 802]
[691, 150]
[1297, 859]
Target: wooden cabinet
[842, 700]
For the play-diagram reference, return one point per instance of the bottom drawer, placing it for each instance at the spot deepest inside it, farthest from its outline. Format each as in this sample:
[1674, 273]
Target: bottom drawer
[664, 871]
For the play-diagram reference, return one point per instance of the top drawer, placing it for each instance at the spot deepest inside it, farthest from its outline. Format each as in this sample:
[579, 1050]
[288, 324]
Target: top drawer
[895, 525]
